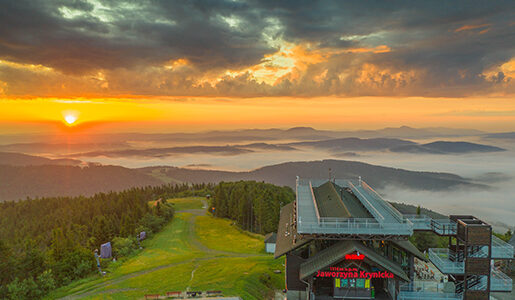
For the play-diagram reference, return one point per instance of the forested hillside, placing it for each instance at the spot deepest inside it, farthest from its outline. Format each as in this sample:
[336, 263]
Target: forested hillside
[48, 242]
[255, 206]
[284, 175]
[20, 159]
[19, 182]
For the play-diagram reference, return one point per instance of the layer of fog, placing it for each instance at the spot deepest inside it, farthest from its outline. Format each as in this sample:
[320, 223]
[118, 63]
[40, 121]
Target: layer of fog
[493, 206]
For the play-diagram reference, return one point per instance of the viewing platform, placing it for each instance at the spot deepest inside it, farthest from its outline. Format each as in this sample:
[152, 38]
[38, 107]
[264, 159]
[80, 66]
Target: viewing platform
[438, 226]
[355, 197]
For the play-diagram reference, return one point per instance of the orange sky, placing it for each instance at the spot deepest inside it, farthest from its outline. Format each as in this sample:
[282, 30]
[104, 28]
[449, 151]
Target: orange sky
[195, 114]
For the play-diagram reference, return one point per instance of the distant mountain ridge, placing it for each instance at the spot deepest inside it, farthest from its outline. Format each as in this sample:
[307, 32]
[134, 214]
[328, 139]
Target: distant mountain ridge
[20, 159]
[285, 174]
[355, 144]
[233, 136]
[333, 145]
[444, 147]
[162, 152]
[21, 181]
[500, 135]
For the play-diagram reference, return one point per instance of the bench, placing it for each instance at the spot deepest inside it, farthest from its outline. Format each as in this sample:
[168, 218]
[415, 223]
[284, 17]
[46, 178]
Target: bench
[193, 294]
[214, 293]
[173, 294]
[153, 296]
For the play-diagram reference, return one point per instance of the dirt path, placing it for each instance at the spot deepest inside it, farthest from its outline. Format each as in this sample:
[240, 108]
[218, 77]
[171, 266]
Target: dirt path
[193, 240]
[192, 274]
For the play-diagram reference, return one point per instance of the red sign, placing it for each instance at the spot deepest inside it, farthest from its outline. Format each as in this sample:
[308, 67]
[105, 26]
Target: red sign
[355, 274]
[354, 256]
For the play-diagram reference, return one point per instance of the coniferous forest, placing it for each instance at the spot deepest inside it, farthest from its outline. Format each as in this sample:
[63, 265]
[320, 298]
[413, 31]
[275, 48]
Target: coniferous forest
[255, 206]
[48, 242]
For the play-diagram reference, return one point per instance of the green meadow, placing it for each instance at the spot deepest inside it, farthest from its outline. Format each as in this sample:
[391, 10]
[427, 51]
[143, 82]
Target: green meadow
[193, 252]
[187, 203]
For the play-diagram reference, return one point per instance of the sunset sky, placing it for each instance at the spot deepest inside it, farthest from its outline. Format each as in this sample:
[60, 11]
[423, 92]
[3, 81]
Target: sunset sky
[201, 65]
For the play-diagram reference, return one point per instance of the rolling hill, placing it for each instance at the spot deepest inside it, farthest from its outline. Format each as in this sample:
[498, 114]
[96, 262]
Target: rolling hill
[331, 145]
[442, 147]
[32, 176]
[18, 182]
[19, 159]
[284, 174]
[355, 144]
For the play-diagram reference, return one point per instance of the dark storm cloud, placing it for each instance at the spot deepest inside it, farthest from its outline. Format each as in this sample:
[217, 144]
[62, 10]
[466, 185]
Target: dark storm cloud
[432, 48]
[124, 34]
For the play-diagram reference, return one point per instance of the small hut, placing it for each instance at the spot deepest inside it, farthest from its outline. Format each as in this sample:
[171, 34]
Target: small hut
[270, 242]
[105, 250]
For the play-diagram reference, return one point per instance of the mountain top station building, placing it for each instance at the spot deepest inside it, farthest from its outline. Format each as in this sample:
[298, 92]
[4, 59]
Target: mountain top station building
[343, 241]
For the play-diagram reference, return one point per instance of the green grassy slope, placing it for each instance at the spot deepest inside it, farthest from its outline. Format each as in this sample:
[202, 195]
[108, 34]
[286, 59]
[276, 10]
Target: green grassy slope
[193, 252]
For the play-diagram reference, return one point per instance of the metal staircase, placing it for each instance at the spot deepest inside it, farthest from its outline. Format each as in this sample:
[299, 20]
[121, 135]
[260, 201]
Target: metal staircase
[456, 256]
[475, 282]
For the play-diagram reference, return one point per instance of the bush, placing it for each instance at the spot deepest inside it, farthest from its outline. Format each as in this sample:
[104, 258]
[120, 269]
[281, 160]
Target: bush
[74, 264]
[123, 246]
[152, 223]
[46, 281]
[26, 289]
[426, 240]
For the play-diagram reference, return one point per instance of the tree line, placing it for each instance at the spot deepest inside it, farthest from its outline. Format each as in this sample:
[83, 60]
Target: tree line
[255, 206]
[48, 242]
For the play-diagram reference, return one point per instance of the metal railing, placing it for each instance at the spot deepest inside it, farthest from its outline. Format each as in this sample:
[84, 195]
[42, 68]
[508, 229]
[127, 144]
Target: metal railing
[443, 226]
[317, 212]
[475, 283]
[405, 295]
[371, 208]
[420, 222]
[500, 282]
[439, 226]
[353, 226]
[478, 251]
[440, 258]
[387, 206]
[501, 249]
[425, 291]
[481, 284]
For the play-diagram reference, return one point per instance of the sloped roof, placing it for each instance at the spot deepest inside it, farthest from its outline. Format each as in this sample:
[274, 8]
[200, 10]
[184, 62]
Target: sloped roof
[337, 252]
[329, 203]
[271, 237]
[286, 233]
[335, 201]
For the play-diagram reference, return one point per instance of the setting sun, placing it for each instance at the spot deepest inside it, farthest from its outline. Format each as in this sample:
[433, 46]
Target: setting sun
[70, 118]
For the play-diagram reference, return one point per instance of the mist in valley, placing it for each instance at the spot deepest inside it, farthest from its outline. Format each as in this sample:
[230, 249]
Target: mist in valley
[238, 153]
[497, 170]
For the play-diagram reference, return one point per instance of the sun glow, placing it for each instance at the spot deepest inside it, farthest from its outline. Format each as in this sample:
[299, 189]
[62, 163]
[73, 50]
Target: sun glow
[70, 117]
